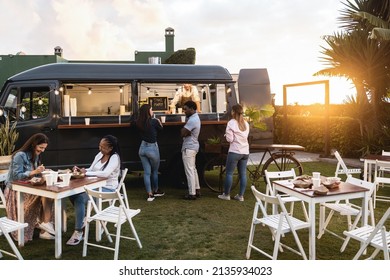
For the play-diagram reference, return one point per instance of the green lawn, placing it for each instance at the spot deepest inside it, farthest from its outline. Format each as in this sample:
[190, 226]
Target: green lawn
[175, 229]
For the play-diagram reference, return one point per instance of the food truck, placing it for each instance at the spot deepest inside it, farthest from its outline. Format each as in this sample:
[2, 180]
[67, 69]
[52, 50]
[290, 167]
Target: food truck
[76, 104]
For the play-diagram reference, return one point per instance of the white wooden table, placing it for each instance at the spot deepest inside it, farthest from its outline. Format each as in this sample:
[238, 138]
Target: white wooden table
[345, 191]
[76, 186]
[369, 164]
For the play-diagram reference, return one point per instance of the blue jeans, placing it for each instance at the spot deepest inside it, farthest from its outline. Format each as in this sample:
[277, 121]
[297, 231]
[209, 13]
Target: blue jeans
[79, 202]
[232, 161]
[150, 158]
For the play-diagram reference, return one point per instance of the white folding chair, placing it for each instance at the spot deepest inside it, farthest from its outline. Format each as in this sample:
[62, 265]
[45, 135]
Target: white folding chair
[279, 225]
[271, 176]
[376, 236]
[381, 168]
[7, 226]
[116, 215]
[346, 208]
[2, 199]
[342, 168]
[122, 189]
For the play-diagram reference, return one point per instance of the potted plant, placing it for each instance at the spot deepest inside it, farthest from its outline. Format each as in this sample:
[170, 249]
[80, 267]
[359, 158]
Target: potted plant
[9, 136]
[213, 145]
[256, 118]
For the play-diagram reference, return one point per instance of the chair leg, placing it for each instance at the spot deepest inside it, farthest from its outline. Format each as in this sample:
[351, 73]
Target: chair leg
[276, 246]
[2, 200]
[384, 244]
[305, 211]
[299, 244]
[371, 209]
[104, 225]
[12, 244]
[349, 222]
[363, 247]
[86, 234]
[325, 224]
[292, 209]
[135, 234]
[250, 241]
[117, 240]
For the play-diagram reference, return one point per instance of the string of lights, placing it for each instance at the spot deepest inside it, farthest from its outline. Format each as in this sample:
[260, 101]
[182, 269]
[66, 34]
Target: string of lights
[23, 105]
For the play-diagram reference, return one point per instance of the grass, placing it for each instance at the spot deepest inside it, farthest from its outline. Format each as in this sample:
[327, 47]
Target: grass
[171, 228]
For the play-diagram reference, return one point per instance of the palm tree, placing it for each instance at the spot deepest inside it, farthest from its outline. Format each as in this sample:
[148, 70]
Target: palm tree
[372, 15]
[365, 62]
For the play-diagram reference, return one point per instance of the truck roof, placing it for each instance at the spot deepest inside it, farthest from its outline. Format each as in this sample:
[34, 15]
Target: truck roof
[119, 72]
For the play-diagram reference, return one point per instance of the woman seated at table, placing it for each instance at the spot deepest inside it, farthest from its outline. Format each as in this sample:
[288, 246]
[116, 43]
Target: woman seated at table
[25, 164]
[107, 163]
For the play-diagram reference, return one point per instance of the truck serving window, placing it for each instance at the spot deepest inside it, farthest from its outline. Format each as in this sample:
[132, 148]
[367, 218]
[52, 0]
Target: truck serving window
[96, 99]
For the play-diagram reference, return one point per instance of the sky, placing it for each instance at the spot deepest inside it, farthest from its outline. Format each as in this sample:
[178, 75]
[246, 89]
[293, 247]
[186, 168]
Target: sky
[283, 36]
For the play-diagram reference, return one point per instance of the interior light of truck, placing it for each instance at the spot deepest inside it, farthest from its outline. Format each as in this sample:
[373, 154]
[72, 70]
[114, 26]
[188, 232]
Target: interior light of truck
[40, 102]
[56, 92]
[89, 91]
[121, 89]
[23, 109]
[147, 90]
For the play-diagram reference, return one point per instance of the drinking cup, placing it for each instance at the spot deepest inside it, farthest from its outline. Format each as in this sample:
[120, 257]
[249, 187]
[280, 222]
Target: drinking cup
[173, 110]
[49, 179]
[55, 177]
[180, 110]
[316, 175]
[316, 182]
[65, 178]
[163, 119]
[183, 118]
[87, 121]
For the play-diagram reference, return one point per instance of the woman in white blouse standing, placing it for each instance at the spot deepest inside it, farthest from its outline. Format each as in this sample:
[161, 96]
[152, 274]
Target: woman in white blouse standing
[237, 131]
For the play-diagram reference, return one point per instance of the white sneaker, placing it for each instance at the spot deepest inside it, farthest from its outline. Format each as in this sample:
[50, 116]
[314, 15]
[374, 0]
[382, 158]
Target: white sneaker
[224, 196]
[77, 236]
[47, 227]
[46, 235]
[239, 198]
[150, 198]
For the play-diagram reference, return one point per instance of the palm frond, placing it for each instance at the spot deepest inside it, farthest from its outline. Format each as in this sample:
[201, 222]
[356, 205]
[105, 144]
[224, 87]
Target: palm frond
[380, 34]
[373, 20]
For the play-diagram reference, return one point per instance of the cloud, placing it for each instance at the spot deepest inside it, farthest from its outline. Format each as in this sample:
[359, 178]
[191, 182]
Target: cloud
[282, 36]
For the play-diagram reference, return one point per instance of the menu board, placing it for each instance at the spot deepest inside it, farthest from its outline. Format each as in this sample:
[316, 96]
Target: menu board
[158, 103]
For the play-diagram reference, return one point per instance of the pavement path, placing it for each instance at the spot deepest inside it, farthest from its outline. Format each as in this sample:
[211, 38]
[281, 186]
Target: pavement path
[255, 158]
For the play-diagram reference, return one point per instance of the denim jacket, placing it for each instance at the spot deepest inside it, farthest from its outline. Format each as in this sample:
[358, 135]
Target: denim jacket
[20, 167]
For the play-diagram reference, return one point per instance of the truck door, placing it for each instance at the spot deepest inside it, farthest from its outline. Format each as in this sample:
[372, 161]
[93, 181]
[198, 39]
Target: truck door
[33, 107]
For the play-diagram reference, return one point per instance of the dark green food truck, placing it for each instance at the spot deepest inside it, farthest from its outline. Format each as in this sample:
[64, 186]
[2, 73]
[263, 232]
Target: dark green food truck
[56, 99]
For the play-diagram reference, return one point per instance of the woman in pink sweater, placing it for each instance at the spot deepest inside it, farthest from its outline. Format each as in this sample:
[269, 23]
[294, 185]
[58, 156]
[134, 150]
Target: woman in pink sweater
[237, 131]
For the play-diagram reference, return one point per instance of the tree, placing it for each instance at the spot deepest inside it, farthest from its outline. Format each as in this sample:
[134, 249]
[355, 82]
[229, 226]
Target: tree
[364, 61]
[186, 56]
